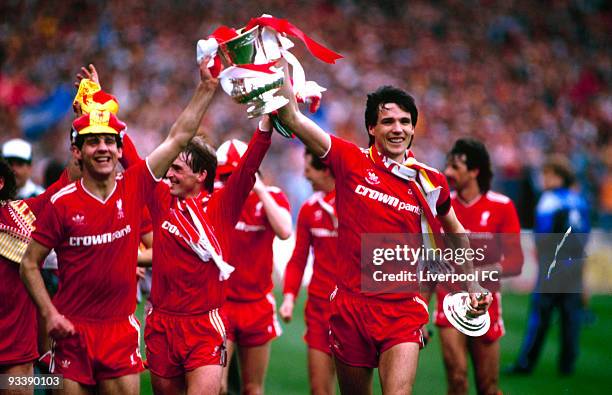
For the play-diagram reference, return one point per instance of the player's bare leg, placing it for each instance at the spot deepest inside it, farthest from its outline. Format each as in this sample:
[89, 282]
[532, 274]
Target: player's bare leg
[321, 372]
[72, 387]
[225, 374]
[205, 380]
[253, 366]
[354, 379]
[485, 357]
[397, 368]
[164, 385]
[22, 369]
[124, 385]
[454, 353]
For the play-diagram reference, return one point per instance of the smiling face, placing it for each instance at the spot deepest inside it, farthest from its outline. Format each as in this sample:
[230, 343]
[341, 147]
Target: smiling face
[183, 181]
[393, 131]
[99, 155]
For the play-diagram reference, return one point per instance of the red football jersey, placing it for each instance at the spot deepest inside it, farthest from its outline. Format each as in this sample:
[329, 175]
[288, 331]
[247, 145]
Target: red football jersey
[18, 337]
[97, 245]
[17, 310]
[492, 219]
[182, 282]
[370, 199]
[316, 228]
[251, 250]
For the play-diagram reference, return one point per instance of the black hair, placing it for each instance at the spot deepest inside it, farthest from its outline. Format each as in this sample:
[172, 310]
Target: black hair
[200, 156]
[79, 139]
[384, 95]
[53, 172]
[476, 157]
[315, 161]
[10, 184]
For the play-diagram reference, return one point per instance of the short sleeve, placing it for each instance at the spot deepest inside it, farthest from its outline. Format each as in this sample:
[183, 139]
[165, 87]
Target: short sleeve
[280, 198]
[49, 231]
[340, 156]
[443, 204]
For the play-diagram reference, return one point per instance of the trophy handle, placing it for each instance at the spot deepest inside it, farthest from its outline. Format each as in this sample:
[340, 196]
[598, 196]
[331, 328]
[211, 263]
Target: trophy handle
[280, 128]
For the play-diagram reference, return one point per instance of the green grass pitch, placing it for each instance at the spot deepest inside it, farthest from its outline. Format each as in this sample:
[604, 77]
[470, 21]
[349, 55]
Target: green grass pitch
[287, 372]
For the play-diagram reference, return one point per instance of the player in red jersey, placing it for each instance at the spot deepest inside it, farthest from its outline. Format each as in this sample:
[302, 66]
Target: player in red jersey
[250, 307]
[381, 189]
[491, 217]
[18, 345]
[93, 226]
[18, 321]
[317, 227]
[185, 333]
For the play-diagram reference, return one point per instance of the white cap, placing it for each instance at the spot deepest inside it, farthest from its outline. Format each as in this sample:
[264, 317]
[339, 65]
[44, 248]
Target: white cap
[17, 148]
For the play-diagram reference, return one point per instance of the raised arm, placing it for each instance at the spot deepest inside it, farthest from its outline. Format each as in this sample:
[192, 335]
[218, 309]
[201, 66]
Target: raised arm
[304, 128]
[186, 125]
[227, 203]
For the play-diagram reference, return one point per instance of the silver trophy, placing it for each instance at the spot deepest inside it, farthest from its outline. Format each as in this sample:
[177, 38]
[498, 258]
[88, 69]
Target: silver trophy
[457, 310]
[252, 86]
[252, 73]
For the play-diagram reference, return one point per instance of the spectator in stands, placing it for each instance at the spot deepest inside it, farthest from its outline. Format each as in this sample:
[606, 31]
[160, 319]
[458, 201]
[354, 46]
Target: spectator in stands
[18, 153]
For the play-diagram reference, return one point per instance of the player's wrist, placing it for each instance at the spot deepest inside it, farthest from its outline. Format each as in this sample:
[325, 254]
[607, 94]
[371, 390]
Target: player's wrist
[289, 296]
[49, 312]
[264, 125]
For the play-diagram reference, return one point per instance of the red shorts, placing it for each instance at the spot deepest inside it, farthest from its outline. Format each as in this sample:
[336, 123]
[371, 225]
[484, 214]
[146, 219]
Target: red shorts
[362, 328]
[18, 321]
[252, 323]
[100, 350]
[497, 328]
[177, 344]
[316, 315]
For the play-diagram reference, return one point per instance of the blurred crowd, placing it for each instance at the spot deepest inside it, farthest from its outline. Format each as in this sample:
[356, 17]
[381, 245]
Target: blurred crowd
[529, 78]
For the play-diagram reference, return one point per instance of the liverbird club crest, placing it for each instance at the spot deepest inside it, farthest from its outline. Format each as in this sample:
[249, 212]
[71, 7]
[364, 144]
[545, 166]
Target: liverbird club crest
[120, 213]
[371, 177]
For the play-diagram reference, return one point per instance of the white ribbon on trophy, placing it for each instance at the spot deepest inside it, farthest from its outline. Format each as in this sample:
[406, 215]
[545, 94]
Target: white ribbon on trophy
[255, 80]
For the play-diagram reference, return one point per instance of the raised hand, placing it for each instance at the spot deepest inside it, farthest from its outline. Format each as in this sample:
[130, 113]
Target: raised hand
[90, 73]
[205, 74]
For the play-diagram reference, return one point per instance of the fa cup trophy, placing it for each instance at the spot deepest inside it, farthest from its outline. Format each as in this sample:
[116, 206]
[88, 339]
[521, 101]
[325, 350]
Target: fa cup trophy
[252, 73]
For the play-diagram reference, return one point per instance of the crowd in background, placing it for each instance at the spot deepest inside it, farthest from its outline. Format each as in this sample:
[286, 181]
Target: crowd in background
[528, 78]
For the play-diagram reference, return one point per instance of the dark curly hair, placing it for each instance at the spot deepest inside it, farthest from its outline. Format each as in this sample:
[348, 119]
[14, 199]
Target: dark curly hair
[10, 185]
[476, 157]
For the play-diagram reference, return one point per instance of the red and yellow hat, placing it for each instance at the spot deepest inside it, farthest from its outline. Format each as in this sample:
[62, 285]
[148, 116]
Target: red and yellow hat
[98, 122]
[91, 97]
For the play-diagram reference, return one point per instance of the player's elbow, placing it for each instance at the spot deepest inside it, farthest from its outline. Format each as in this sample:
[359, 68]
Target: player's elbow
[182, 132]
[25, 268]
[284, 233]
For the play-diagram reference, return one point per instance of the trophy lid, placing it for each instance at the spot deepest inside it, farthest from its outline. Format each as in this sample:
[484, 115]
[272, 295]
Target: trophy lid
[456, 309]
